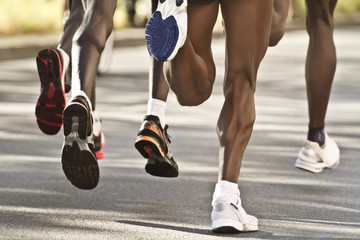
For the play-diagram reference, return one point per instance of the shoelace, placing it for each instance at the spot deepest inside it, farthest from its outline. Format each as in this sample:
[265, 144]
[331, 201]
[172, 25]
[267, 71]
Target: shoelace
[167, 136]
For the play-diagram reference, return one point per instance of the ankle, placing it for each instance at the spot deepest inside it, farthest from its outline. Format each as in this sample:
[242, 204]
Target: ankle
[226, 191]
[316, 135]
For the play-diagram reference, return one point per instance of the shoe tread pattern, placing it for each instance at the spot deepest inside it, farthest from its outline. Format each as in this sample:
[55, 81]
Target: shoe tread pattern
[51, 102]
[78, 159]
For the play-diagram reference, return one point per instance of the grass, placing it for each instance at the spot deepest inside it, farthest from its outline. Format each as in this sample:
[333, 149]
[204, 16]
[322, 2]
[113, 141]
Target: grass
[33, 16]
[24, 16]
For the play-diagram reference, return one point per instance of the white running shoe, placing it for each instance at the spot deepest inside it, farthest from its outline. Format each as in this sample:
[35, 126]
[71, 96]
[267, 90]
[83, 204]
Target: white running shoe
[228, 217]
[166, 30]
[314, 158]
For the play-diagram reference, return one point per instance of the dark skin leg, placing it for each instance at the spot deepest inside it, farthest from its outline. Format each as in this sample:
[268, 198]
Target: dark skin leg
[89, 42]
[192, 82]
[321, 58]
[280, 13]
[158, 86]
[247, 27]
[71, 25]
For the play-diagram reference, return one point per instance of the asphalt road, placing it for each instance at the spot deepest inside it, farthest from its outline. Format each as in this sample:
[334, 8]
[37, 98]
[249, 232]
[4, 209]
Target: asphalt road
[37, 202]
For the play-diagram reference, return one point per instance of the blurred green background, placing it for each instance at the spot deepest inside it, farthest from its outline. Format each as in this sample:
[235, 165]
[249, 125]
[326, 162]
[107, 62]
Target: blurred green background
[37, 16]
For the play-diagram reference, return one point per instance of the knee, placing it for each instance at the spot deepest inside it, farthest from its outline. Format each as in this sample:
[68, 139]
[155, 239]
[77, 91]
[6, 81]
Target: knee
[94, 31]
[89, 37]
[242, 80]
[319, 21]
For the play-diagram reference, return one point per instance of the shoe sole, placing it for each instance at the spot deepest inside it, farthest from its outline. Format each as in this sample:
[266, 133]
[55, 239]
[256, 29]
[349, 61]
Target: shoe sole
[230, 226]
[308, 167]
[51, 102]
[78, 162]
[157, 165]
[161, 36]
[335, 164]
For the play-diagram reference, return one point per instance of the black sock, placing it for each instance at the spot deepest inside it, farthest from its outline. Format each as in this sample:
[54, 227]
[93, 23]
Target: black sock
[316, 135]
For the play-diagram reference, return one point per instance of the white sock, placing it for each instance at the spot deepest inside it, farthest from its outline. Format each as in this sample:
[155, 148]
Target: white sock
[66, 58]
[75, 86]
[75, 78]
[157, 108]
[226, 191]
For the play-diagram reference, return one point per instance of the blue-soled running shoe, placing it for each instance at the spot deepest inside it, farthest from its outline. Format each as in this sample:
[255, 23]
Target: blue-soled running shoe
[166, 30]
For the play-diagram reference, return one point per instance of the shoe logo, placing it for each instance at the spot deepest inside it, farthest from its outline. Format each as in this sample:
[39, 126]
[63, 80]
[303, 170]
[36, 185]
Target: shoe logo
[320, 137]
[234, 206]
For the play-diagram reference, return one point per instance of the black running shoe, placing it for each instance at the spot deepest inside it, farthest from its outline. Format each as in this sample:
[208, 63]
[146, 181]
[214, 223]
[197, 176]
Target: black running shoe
[78, 158]
[152, 142]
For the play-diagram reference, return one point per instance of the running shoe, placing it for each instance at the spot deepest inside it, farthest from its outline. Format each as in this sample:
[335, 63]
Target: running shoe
[314, 158]
[166, 30]
[153, 143]
[228, 217]
[99, 138]
[78, 158]
[51, 64]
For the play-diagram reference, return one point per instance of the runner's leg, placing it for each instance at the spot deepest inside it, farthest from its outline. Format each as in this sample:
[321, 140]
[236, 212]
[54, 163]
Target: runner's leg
[321, 58]
[152, 139]
[191, 73]
[246, 45]
[78, 157]
[88, 43]
[319, 150]
[247, 26]
[71, 26]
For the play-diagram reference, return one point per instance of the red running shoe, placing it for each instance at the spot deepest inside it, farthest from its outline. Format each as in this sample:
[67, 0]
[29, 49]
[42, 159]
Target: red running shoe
[51, 64]
[99, 138]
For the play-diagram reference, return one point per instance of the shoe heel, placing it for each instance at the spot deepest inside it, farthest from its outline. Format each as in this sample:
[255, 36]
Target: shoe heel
[146, 146]
[75, 120]
[48, 62]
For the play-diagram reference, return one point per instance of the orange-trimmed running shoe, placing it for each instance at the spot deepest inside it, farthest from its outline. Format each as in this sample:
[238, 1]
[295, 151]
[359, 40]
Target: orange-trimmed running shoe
[152, 143]
[51, 64]
[78, 157]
